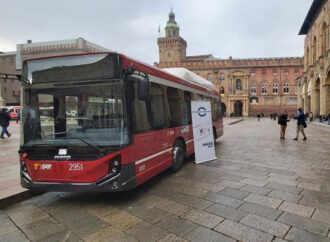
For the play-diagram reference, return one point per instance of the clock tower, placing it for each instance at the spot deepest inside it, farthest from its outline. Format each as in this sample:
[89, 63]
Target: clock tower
[172, 48]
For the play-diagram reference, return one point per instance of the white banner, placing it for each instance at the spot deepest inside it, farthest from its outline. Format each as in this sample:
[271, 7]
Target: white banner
[202, 131]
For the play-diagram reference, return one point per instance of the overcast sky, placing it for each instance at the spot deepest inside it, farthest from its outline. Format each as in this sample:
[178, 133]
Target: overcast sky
[237, 28]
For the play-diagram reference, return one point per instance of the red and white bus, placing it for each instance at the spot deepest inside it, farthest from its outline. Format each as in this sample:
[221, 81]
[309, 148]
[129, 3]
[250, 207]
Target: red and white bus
[105, 122]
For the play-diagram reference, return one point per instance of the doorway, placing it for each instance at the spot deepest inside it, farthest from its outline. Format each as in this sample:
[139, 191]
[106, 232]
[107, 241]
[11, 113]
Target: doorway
[238, 108]
[223, 109]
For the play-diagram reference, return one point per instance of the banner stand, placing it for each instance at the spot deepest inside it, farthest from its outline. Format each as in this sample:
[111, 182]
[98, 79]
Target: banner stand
[202, 131]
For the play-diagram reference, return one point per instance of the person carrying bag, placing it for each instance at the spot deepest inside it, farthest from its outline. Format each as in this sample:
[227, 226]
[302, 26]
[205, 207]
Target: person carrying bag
[301, 124]
[282, 121]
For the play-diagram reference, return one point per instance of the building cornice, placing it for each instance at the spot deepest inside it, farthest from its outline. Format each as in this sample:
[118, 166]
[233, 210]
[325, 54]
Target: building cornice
[312, 14]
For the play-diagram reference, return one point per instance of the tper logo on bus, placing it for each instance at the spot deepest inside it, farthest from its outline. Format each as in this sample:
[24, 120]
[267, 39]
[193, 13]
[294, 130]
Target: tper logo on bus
[39, 166]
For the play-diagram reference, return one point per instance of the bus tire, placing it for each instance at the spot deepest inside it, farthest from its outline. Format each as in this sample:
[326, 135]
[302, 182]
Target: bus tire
[178, 156]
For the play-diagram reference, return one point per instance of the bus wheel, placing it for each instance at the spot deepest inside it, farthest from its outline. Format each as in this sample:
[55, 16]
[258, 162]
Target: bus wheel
[178, 156]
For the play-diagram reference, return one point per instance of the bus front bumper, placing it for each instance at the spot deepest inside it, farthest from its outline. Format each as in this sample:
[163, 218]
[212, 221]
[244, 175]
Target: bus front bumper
[123, 181]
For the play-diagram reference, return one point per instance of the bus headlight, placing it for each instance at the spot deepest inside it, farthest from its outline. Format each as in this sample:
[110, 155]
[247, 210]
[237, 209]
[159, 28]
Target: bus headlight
[23, 166]
[115, 166]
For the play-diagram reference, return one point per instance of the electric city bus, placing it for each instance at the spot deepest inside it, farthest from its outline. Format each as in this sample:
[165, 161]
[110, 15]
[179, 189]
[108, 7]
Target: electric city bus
[106, 122]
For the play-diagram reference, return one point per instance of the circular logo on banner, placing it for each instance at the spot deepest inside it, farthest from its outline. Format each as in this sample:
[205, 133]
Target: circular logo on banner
[201, 111]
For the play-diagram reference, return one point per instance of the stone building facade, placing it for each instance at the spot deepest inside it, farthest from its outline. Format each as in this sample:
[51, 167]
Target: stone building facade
[314, 84]
[247, 86]
[11, 62]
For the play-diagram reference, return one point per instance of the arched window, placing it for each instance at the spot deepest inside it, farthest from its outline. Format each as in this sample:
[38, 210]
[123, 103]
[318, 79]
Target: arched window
[222, 76]
[296, 88]
[264, 88]
[275, 88]
[314, 49]
[324, 38]
[253, 73]
[238, 84]
[286, 72]
[209, 77]
[253, 88]
[274, 72]
[307, 57]
[286, 88]
[222, 90]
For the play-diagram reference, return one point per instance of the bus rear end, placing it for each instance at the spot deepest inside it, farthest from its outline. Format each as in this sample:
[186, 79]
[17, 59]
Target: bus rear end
[75, 125]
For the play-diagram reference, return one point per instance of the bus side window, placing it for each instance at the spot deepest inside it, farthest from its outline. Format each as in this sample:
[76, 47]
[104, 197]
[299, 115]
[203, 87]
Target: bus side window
[141, 115]
[187, 99]
[157, 103]
[177, 107]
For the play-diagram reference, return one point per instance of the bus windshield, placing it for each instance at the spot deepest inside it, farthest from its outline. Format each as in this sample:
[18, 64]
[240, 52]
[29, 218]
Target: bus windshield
[92, 112]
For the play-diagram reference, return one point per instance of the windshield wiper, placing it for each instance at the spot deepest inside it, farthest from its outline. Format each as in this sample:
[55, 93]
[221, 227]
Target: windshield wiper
[49, 134]
[86, 142]
[78, 138]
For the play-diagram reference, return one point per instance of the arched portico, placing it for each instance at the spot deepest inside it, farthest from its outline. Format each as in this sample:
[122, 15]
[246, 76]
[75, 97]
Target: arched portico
[316, 98]
[326, 91]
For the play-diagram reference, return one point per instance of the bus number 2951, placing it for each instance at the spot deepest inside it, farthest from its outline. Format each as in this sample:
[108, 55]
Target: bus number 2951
[76, 167]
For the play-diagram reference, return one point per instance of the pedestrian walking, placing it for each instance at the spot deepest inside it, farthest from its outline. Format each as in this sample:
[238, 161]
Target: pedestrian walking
[258, 116]
[4, 122]
[282, 121]
[301, 124]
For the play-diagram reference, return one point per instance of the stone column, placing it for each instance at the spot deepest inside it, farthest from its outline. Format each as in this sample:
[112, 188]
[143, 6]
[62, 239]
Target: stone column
[305, 103]
[321, 100]
[299, 99]
[246, 85]
[247, 107]
[244, 108]
[315, 102]
[232, 106]
[326, 99]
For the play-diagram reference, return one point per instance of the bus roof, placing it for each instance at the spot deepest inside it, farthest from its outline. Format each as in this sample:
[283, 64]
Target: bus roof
[178, 75]
[187, 75]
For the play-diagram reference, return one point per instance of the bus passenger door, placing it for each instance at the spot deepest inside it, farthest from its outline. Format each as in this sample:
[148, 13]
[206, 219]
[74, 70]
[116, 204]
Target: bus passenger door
[151, 151]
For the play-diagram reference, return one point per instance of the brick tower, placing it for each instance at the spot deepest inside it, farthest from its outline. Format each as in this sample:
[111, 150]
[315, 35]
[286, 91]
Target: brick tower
[172, 48]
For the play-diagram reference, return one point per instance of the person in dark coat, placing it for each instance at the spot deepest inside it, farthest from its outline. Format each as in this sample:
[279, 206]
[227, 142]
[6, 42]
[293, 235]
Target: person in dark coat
[301, 124]
[282, 121]
[4, 122]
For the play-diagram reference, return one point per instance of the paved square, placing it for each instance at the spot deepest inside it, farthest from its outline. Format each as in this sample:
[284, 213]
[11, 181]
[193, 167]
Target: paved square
[260, 188]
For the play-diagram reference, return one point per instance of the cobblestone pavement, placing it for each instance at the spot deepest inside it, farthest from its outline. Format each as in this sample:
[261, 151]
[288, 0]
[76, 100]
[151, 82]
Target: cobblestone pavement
[9, 163]
[261, 188]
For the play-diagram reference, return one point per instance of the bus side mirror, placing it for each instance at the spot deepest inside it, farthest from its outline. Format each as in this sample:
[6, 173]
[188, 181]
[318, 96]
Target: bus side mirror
[144, 89]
